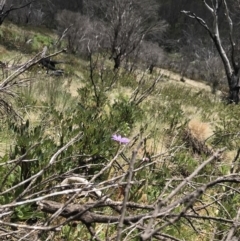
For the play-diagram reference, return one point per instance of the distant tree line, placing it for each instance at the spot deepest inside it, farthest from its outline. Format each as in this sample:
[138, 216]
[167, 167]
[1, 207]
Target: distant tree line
[45, 12]
[124, 28]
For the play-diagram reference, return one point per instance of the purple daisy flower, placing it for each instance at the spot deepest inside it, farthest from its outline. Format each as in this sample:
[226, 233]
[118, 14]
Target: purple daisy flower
[120, 139]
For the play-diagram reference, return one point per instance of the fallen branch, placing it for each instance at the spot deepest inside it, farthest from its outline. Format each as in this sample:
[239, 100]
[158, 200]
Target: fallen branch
[80, 213]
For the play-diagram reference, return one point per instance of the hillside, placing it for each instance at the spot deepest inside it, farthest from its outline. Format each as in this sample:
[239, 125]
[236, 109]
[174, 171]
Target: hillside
[95, 153]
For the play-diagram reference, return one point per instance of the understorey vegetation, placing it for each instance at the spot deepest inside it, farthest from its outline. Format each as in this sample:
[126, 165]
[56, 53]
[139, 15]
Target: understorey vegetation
[94, 151]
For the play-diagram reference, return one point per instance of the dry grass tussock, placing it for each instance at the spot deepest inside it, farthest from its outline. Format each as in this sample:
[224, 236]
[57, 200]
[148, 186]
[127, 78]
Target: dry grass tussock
[200, 130]
[196, 135]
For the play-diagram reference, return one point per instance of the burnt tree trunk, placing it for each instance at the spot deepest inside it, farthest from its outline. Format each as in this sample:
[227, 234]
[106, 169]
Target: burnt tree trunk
[234, 89]
[117, 62]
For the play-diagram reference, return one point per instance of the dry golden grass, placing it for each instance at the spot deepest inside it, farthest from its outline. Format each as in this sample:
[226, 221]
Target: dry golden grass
[200, 130]
[187, 82]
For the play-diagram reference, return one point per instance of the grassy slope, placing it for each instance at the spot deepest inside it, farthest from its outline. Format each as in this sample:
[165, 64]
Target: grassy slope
[173, 105]
[16, 49]
[194, 98]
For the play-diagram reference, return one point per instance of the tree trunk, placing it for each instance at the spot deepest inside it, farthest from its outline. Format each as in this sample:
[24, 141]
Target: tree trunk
[234, 89]
[151, 68]
[117, 62]
[231, 73]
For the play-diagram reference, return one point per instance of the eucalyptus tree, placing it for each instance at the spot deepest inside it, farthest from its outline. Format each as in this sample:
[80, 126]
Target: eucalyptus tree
[127, 23]
[227, 51]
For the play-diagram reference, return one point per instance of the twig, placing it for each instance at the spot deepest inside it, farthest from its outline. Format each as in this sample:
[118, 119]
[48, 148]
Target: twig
[148, 232]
